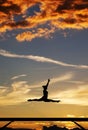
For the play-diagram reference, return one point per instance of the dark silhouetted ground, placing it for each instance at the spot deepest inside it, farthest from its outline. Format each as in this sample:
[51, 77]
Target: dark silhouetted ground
[16, 129]
[54, 127]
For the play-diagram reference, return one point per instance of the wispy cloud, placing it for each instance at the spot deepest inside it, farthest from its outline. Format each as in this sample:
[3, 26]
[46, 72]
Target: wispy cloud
[18, 76]
[59, 14]
[3, 90]
[76, 95]
[76, 82]
[15, 93]
[40, 59]
[20, 91]
[64, 77]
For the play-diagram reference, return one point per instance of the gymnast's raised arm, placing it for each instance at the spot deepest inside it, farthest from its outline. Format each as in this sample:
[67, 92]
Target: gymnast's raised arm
[48, 82]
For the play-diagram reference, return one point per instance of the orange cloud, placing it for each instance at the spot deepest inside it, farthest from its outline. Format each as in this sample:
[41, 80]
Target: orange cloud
[28, 36]
[71, 14]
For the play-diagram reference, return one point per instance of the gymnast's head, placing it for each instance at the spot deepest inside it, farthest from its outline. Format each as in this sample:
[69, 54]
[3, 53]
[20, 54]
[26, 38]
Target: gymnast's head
[44, 87]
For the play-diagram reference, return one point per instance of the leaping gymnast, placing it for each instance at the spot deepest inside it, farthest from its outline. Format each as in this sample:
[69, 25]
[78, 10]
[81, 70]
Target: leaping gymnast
[45, 95]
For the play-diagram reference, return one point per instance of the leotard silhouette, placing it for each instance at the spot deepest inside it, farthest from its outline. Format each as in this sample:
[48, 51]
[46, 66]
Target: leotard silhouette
[45, 95]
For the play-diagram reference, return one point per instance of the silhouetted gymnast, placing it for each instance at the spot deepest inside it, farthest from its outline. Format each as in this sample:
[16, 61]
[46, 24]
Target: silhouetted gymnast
[45, 95]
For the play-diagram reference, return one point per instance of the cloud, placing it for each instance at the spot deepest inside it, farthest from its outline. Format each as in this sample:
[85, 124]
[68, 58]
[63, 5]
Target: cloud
[20, 91]
[14, 94]
[76, 95]
[41, 59]
[76, 82]
[28, 36]
[15, 15]
[64, 77]
[18, 76]
[3, 90]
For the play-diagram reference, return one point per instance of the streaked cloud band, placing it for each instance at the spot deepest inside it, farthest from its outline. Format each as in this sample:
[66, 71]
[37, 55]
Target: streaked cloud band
[18, 76]
[40, 59]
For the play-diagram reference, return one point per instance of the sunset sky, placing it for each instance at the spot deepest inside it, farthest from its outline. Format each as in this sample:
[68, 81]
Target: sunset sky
[41, 39]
